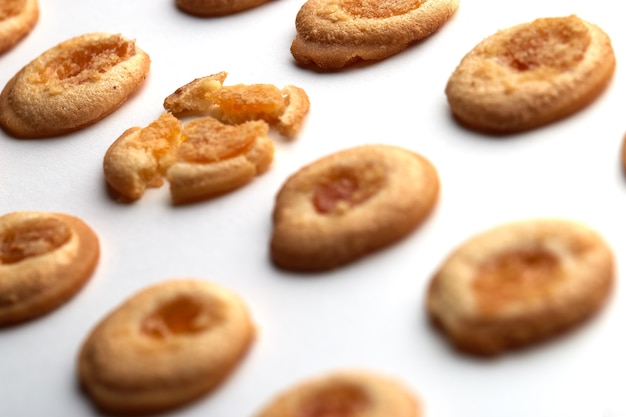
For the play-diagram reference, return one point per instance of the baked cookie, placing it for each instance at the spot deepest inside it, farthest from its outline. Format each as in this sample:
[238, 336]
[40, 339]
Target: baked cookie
[520, 283]
[72, 85]
[334, 33]
[350, 203]
[531, 74]
[165, 346]
[211, 8]
[284, 109]
[140, 157]
[17, 19]
[346, 393]
[200, 160]
[45, 259]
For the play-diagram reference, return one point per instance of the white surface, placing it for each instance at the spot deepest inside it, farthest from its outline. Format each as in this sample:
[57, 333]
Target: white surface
[369, 314]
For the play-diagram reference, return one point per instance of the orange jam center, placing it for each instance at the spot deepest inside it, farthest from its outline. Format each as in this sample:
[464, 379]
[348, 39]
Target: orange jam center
[376, 9]
[518, 276]
[336, 401]
[346, 187]
[87, 62]
[10, 8]
[249, 102]
[32, 237]
[558, 43]
[208, 140]
[183, 315]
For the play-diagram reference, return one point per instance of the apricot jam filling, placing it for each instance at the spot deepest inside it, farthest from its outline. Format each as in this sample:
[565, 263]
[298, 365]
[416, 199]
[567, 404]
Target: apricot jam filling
[256, 101]
[516, 276]
[32, 237]
[375, 9]
[207, 140]
[10, 8]
[556, 43]
[347, 187]
[336, 401]
[182, 315]
[87, 62]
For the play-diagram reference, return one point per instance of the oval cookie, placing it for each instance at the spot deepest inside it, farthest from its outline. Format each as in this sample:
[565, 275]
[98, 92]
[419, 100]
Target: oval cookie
[17, 19]
[72, 85]
[45, 259]
[165, 346]
[210, 8]
[334, 33]
[531, 74]
[520, 283]
[349, 204]
[345, 393]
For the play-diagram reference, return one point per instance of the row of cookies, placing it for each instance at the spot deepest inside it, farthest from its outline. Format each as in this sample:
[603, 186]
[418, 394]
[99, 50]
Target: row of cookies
[517, 79]
[165, 346]
[341, 193]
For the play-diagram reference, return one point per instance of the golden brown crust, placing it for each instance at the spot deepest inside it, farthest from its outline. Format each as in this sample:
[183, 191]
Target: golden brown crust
[531, 74]
[72, 85]
[349, 204]
[17, 19]
[345, 393]
[211, 8]
[520, 283]
[165, 346]
[200, 172]
[334, 33]
[45, 259]
[200, 159]
[139, 158]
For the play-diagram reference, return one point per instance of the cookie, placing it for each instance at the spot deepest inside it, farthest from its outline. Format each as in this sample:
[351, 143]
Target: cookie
[72, 85]
[331, 34]
[284, 109]
[201, 159]
[531, 74]
[217, 158]
[213, 8]
[140, 157]
[349, 204]
[165, 346]
[346, 393]
[45, 259]
[17, 19]
[520, 283]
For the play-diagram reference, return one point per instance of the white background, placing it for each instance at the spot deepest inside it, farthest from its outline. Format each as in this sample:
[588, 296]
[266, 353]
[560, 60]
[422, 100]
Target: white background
[369, 314]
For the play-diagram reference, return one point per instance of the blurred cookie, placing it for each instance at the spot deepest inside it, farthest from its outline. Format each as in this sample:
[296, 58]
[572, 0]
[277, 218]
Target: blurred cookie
[17, 19]
[210, 8]
[72, 85]
[346, 393]
[165, 346]
[348, 204]
[45, 259]
[520, 283]
[334, 33]
[531, 74]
